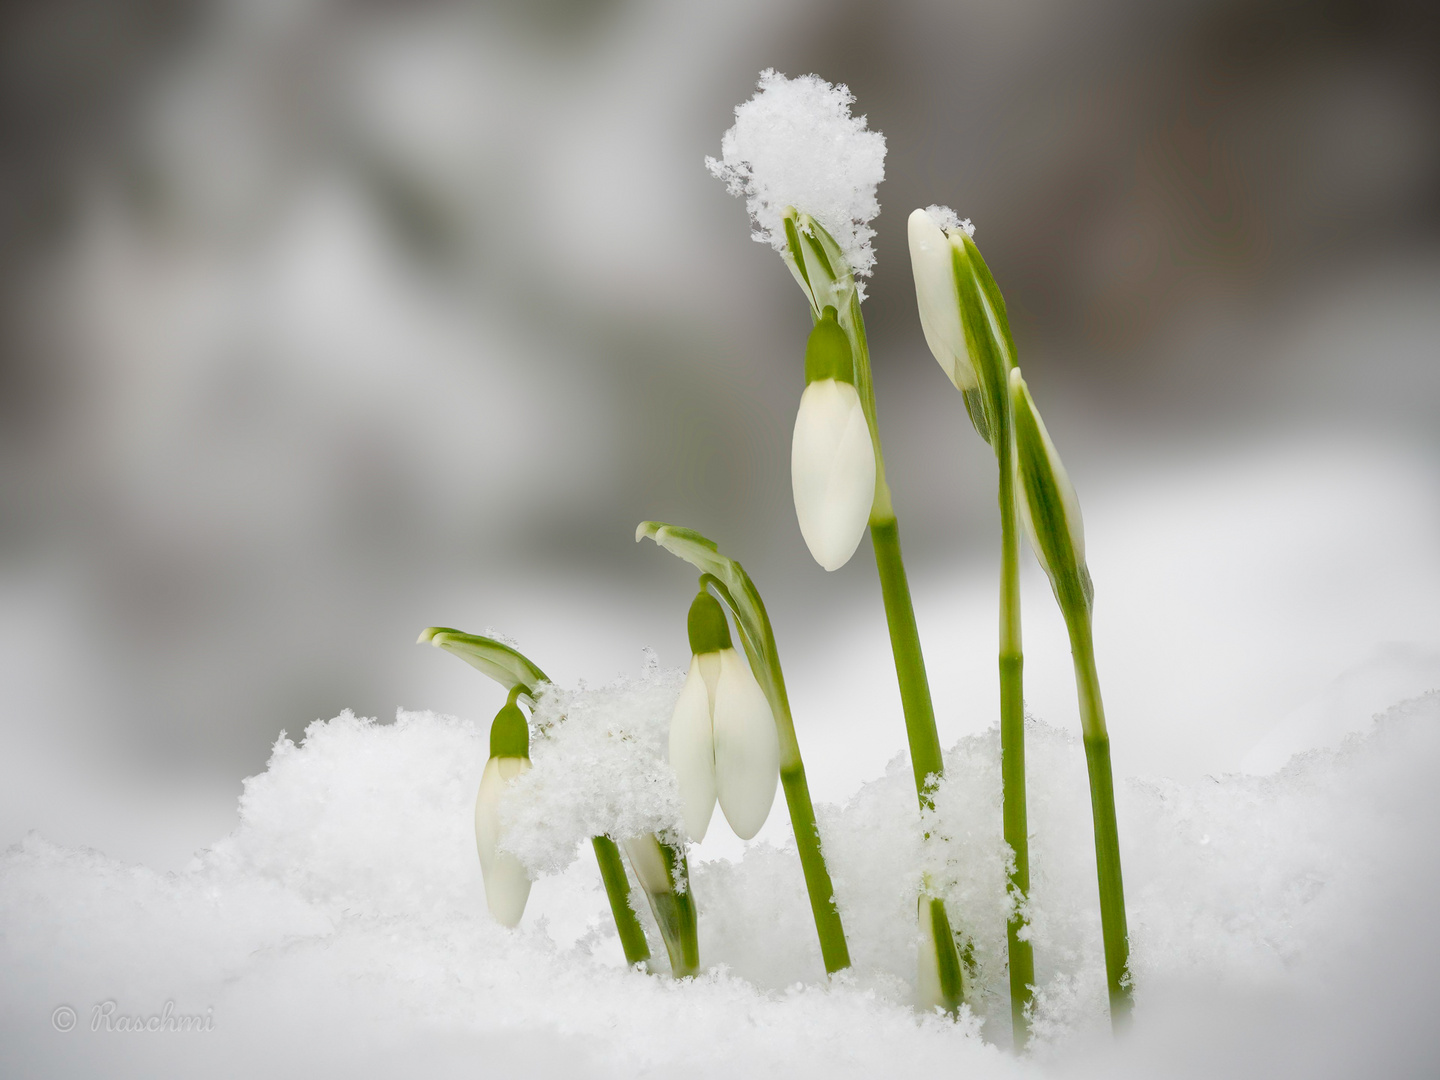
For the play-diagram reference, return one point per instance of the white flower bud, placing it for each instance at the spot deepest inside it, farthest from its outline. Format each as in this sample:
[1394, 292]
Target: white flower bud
[692, 747]
[507, 886]
[832, 471]
[747, 749]
[932, 260]
[723, 745]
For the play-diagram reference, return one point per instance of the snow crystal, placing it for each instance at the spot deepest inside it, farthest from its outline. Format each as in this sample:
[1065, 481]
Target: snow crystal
[795, 143]
[600, 758]
[948, 220]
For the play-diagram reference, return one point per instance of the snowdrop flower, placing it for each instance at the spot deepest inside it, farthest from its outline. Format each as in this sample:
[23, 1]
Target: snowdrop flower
[723, 744]
[932, 260]
[832, 460]
[507, 886]
[1049, 507]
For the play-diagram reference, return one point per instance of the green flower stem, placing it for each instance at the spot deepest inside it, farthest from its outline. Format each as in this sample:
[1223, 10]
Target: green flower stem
[926, 758]
[512, 669]
[1012, 735]
[920, 728]
[664, 876]
[617, 889]
[734, 587]
[1102, 805]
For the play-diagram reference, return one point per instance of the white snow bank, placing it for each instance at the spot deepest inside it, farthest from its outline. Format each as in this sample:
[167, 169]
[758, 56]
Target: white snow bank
[795, 143]
[1279, 922]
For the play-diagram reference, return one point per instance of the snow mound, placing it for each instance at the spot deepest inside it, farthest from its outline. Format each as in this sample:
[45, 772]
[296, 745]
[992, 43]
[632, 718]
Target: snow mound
[1279, 924]
[795, 143]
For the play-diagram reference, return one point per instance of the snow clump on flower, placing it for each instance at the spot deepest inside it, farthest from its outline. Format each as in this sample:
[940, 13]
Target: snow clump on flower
[795, 144]
[600, 767]
[949, 220]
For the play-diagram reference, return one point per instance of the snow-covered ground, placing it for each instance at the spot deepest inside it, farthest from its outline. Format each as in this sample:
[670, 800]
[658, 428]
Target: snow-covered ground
[1279, 847]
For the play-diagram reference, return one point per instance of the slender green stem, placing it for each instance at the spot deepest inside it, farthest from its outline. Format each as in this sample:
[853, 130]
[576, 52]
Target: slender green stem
[925, 757]
[617, 889]
[1012, 735]
[1102, 805]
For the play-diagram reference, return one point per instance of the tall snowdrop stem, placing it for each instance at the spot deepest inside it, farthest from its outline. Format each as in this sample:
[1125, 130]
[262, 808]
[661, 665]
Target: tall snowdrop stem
[1012, 748]
[512, 669]
[1102, 807]
[732, 585]
[1057, 534]
[664, 877]
[819, 267]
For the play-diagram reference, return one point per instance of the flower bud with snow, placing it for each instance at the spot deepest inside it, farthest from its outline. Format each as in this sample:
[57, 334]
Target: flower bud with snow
[1048, 505]
[932, 261]
[832, 458]
[723, 744]
[507, 885]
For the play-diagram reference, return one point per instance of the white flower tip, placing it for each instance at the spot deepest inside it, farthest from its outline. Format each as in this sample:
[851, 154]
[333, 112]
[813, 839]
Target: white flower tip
[832, 471]
[747, 748]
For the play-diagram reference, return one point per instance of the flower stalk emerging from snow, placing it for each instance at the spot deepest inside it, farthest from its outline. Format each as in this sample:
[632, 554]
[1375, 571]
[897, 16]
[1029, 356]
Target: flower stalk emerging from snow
[518, 675]
[799, 158]
[734, 587]
[723, 744]
[1052, 518]
[965, 323]
[507, 885]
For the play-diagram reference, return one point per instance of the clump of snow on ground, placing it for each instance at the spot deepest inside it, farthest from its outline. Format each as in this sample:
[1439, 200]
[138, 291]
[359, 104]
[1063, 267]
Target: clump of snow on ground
[1279, 923]
[600, 757]
[795, 143]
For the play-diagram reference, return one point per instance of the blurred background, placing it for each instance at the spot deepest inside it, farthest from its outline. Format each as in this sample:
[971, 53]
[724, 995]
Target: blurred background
[327, 321]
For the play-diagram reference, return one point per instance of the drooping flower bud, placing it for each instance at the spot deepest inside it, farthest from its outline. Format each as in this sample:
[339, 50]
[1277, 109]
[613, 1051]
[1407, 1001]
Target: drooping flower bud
[507, 885]
[832, 458]
[1048, 505]
[723, 743]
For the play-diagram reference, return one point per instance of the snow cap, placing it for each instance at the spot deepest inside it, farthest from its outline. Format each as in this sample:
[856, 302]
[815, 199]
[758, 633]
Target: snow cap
[795, 143]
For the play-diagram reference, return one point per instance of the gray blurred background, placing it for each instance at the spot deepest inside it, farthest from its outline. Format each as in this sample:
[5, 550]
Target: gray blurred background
[324, 322]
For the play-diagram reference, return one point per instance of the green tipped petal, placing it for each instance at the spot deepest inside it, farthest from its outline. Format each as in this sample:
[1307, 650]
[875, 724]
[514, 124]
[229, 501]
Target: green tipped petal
[502, 663]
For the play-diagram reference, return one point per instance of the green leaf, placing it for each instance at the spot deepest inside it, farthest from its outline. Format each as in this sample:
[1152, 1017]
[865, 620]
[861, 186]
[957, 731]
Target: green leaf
[499, 661]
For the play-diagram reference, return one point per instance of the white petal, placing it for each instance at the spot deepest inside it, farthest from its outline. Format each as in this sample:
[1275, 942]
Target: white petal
[648, 862]
[747, 749]
[692, 751]
[507, 886]
[932, 262]
[832, 471]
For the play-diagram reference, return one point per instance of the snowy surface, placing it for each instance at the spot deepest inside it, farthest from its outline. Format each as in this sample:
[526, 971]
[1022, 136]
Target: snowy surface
[1278, 919]
[1281, 913]
[795, 144]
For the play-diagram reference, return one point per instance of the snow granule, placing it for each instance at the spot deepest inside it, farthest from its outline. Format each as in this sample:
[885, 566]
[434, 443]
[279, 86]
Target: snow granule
[1279, 924]
[795, 143]
[947, 219]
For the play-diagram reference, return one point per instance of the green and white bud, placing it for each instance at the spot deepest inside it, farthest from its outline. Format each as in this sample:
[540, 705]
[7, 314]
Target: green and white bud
[723, 742]
[832, 458]
[932, 261]
[1048, 505]
[507, 885]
